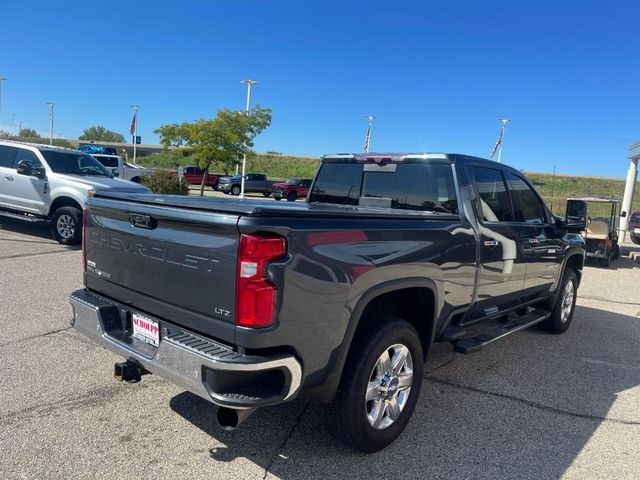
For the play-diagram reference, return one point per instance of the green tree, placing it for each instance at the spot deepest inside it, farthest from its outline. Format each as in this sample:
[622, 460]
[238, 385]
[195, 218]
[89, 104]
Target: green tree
[221, 140]
[99, 133]
[28, 133]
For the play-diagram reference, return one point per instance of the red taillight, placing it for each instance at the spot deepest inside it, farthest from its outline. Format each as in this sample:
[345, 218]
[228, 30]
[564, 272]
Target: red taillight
[84, 239]
[256, 296]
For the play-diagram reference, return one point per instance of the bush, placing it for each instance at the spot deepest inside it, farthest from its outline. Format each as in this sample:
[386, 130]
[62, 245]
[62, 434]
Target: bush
[162, 181]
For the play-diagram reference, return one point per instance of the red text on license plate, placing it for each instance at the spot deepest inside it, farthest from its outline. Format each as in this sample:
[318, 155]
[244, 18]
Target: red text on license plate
[145, 329]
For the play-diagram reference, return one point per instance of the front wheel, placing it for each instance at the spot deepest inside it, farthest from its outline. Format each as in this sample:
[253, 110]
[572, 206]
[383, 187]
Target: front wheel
[635, 239]
[235, 190]
[292, 196]
[266, 194]
[380, 385]
[66, 225]
[565, 305]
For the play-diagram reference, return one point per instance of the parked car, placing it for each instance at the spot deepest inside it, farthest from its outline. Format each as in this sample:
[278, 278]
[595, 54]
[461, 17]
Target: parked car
[92, 148]
[40, 182]
[193, 176]
[121, 169]
[292, 189]
[338, 299]
[253, 183]
[634, 227]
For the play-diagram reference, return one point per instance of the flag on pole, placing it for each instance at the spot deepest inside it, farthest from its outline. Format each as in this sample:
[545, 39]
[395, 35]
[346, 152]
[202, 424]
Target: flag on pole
[132, 129]
[367, 138]
[498, 143]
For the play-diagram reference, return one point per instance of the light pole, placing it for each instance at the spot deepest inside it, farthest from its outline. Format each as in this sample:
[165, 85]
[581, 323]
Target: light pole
[134, 129]
[51, 104]
[249, 84]
[1, 80]
[367, 138]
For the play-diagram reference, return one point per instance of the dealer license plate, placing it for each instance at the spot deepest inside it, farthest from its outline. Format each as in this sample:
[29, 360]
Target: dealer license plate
[636, 230]
[146, 329]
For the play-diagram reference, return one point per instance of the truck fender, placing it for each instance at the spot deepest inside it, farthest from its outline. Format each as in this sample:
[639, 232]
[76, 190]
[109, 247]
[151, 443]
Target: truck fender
[355, 315]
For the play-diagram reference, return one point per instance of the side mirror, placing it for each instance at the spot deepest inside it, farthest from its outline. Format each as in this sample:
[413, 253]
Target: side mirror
[25, 168]
[115, 172]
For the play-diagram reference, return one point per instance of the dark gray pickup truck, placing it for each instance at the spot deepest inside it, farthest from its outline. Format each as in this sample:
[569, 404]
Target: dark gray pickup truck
[249, 303]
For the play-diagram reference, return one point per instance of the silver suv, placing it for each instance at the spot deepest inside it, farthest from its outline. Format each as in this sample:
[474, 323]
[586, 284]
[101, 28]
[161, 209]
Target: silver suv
[39, 182]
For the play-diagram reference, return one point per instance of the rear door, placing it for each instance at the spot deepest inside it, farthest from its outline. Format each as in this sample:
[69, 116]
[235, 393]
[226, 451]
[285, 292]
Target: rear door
[542, 246]
[26, 193]
[502, 269]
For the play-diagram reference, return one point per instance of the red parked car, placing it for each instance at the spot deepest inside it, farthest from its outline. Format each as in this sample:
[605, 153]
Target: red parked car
[193, 176]
[292, 189]
[634, 227]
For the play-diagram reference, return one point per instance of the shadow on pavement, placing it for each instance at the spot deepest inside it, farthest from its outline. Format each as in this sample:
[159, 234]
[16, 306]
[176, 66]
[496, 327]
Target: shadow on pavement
[523, 408]
[37, 230]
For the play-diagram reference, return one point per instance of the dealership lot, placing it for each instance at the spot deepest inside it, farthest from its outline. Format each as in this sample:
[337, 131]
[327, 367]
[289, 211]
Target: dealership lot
[531, 406]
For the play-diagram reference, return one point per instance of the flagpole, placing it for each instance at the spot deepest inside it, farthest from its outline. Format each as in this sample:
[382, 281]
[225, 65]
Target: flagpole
[367, 138]
[504, 122]
[135, 130]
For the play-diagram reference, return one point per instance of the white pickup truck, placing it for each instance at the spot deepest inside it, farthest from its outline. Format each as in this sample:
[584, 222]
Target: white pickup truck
[39, 182]
[121, 169]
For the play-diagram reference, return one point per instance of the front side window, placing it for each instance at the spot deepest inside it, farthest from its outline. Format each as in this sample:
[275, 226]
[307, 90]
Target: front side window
[27, 155]
[527, 207]
[494, 202]
[111, 162]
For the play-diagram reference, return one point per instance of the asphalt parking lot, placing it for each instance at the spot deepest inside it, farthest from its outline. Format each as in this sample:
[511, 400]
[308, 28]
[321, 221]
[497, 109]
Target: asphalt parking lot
[532, 406]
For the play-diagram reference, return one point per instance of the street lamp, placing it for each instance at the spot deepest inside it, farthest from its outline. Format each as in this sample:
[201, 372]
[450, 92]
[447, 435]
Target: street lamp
[249, 84]
[51, 104]
[367, 138]
[1, 80]
[134, 129]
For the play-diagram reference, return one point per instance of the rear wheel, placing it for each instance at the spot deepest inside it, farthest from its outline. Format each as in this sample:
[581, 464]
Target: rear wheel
[66, 225]
[291, 196]
[565, 304]
[380, 385]
[616, 252]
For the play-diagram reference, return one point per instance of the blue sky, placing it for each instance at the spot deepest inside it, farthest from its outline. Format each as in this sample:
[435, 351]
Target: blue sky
[438, 75]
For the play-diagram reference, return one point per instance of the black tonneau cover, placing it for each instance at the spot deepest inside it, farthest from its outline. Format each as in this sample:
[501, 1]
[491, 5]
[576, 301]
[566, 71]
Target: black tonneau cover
[263, 208]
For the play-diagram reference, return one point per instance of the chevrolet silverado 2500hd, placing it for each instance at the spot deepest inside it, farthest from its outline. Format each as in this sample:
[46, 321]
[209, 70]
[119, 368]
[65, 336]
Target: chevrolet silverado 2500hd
[248, 303]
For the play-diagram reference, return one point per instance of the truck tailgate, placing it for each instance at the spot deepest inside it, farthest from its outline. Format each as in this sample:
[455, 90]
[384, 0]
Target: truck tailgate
[173, 263]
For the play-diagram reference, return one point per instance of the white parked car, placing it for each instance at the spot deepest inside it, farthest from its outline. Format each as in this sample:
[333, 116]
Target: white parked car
[121, 169]
[39, 182]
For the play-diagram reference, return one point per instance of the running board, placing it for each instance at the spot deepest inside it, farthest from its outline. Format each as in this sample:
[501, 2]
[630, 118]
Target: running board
[473, 344]
[21, 216]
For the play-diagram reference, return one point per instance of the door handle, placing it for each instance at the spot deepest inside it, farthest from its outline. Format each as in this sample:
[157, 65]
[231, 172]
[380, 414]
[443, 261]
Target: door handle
[490, 243]
[9, 177]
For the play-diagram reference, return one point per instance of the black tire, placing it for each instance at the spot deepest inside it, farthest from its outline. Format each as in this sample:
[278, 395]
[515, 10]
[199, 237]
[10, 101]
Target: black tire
[616, 252]
[347, 416]
[606, 261]
[235, 190]
[557, 321]
[292, 196]
[226, 192]
[277, 198]
[66, 225]
[266, 194]
[635, 239]
[135, 179]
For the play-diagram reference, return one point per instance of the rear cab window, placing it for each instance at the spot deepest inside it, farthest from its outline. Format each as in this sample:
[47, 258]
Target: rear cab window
[418, 185]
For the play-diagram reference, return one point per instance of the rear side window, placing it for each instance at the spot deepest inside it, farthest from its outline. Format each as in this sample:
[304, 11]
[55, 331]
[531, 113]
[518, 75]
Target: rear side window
[406, 186]
[527, 207]
[7, 156]
[494, 200]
